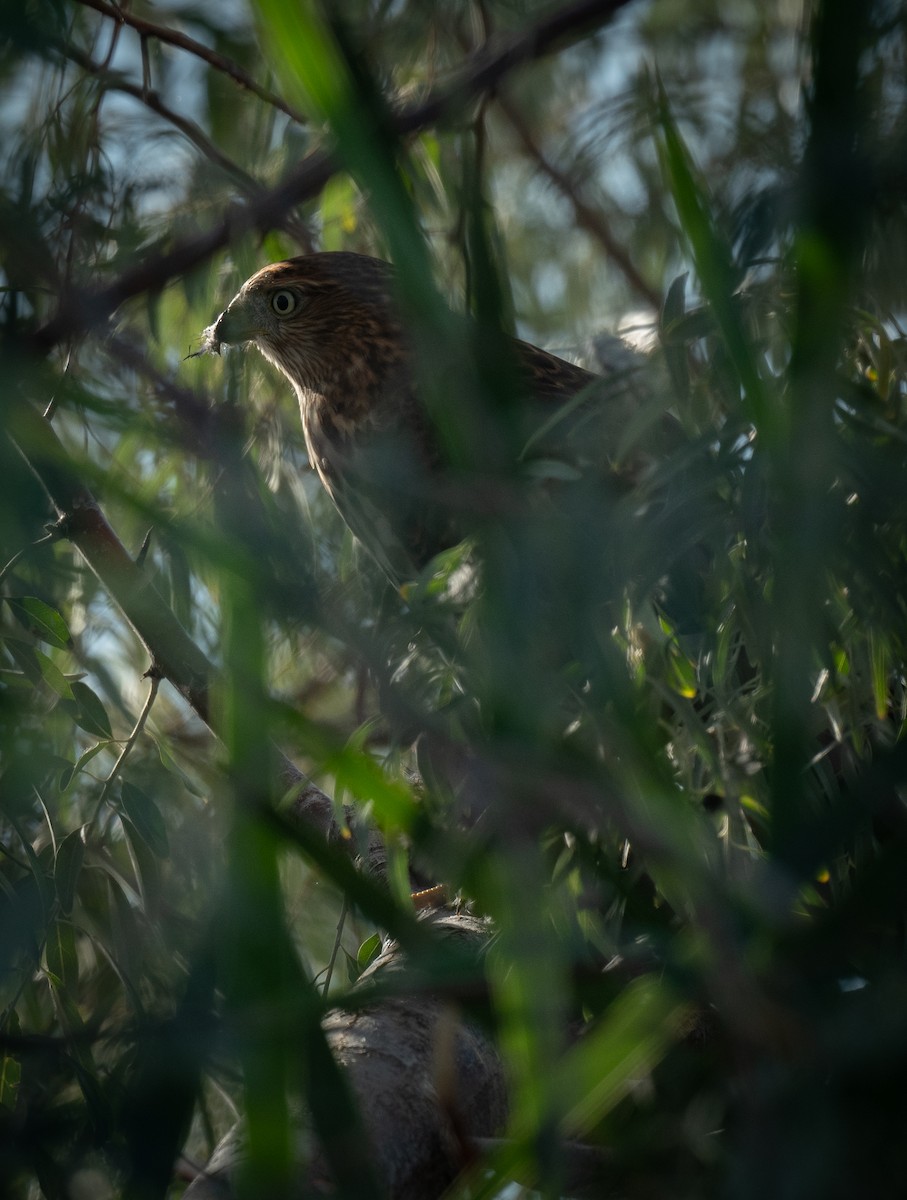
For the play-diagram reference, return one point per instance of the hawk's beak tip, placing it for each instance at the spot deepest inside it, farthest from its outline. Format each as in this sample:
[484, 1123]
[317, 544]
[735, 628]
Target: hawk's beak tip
[211, 340]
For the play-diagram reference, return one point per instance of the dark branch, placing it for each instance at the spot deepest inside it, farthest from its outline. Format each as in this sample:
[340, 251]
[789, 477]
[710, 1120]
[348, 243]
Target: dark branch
[79, 311]
[113, 82]
[587, 217]
[81, 520]
[182, 41]
[172, 651]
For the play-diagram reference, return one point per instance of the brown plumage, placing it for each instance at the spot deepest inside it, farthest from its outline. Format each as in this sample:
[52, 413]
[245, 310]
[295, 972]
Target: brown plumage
[329, 322]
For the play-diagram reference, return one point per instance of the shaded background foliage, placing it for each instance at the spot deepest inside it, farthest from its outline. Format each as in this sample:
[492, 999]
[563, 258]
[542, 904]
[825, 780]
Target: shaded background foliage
[680, 707]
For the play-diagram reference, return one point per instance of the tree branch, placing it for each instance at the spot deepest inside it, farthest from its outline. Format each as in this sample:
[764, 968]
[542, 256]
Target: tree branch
[172, 37]
[173, 652]
[420, 1110]
[112, 82]
[81, 520]
[587, 217]
[81, 310]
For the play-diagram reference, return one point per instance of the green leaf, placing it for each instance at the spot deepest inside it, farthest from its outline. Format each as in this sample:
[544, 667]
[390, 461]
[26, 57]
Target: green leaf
[878, 657]
[542, 469]
[44, 622]
[90, 713]
[71, 1020]
[277, 247]
[430, 146]
[147, 867]
[60, 952]
[313, 65]
[674, 305]
[127, 931]
[681, 673]
[24, 656]
[152, 311]
[714, 263]
[170, 764]
[528, 987]
[259, 963]
[675, 350]
[338, 211]
[53, 676]
[357, 772]
[146, 818]
[595, 1075]
[42, 882]
[398, 877]
[10, 1068]
[67, 868]
[307, 55]
[629, 1042]
[352, 967]
[72, 769]
[368, 952]
[10, 1076]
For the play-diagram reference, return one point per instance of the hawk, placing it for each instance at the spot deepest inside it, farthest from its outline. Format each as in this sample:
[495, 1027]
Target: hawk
[331, 324]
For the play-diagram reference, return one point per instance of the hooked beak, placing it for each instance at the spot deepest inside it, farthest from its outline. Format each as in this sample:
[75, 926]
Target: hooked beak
[234, 325]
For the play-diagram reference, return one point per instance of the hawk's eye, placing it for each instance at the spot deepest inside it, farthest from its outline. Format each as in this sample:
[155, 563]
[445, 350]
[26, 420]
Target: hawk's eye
[284, 302]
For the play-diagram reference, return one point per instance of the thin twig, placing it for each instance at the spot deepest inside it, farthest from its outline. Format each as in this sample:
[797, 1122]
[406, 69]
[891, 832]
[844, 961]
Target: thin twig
[587, 217]
[182, 41]
[48, 537]
[82, 522]
[336, 947]
[146, 95]
[177, 656]
[154, 678]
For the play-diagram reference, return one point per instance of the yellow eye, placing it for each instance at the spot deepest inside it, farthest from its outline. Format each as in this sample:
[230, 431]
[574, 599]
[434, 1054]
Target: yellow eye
[284, 302]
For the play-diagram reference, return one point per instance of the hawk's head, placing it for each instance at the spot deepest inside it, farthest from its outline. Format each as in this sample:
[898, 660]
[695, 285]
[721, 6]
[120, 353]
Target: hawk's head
[327, 321]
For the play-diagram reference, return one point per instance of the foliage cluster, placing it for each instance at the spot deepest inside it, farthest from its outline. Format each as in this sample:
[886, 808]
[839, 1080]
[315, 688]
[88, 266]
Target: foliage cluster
[662, 734]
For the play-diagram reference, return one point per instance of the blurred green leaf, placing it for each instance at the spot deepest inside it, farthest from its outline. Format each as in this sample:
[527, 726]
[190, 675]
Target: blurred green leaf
[658, 696]
[41, 620]
[529, 988]
[628, 1043]
[308, 49]
[357, 772]
[338, 212]
[10, 1067]
[879, 660]
[62, 959]
[610, 1061]
[89, 712]
[10, 1078]
[673, 313]
[53, 676]
[719, 276]
[681, 673]
[146, 818]
[70, 772]
[67, 868]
